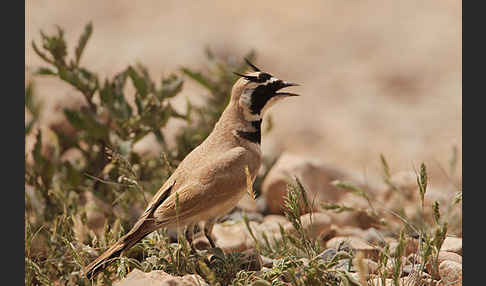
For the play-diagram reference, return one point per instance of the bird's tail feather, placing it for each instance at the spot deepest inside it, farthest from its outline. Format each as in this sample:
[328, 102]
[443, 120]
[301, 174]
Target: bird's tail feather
[125, 242]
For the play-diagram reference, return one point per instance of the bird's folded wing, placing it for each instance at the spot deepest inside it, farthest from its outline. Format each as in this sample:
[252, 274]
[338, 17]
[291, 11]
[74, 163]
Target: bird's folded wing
[204, 186]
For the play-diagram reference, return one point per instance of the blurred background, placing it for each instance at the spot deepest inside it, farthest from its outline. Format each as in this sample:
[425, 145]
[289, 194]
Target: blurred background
[378, 77]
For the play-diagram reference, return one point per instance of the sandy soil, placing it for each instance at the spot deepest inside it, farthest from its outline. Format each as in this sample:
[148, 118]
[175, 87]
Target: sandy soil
[377, 76]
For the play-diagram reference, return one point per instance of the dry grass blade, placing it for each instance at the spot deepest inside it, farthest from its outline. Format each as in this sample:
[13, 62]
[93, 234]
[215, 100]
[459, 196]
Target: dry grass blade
[249, 184]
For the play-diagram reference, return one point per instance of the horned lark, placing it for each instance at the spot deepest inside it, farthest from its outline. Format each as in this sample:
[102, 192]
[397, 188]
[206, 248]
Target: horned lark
[211, 180]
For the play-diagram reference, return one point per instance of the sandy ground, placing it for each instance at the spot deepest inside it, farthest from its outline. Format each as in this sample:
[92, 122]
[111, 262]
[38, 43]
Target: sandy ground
[377, 76]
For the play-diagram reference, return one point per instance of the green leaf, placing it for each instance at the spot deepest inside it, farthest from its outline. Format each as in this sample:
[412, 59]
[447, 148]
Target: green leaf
[83, 40]
[436, 210]
[36, 152]
[32, 103]
[73, 176]
[138, 82]
[29, 94]
[28, 126]
[90, 80]
[453, 160]
[422, 182]
[386, 168]
[56, 45]
[171, 87]
[45, 71]
[112, 97]
[75, 119]
[347, 186]
[71, 77]
[337, 208]
[86, 122]
[159, 136]
[200, 78]
[96, 130]
[41, 54]
[146, 77]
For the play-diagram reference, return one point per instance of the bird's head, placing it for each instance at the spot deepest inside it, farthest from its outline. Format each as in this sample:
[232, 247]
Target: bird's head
[255, 92]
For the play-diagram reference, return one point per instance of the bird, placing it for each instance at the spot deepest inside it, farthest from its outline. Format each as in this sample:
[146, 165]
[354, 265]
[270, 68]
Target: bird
[208, 183]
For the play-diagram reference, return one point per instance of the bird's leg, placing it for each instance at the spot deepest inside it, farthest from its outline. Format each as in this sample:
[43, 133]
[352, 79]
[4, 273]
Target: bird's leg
[189, 235]
[208, 229]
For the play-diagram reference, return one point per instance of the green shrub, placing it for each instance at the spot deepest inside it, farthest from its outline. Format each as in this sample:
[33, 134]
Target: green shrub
[103, 130]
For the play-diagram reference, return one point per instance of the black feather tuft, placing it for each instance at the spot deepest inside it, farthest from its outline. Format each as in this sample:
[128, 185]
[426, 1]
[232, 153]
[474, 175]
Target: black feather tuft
[248, 77]
[252, 65]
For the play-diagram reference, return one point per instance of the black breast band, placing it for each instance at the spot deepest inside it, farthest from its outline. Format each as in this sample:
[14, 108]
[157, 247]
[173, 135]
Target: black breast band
[254, 136]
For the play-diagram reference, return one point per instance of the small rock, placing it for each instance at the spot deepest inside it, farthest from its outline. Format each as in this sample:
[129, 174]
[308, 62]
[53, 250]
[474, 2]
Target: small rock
[315, 176]
[261, 283]
[95, 216]
[403, 281]
[250, 205]
[410, 209]
[409, 268]
[158, 277]
[390, 282]
[446, 255]
[443, 255]
[265, 269]
[437, 194]
[230, 237]
[147, 146]
[372, 265]
[304, 261]
[406, 182]
[357, 218]
[251, 216]
[411, 246]
[379, 282]
[390, 264]
[275, 219]
[314, 225]
[269, 229]
[344, 264]
[452, 244]
[332, 232]
[272, 223]
[73, 156]
[450, 273]
[365, 265]
[253, 260]
[267, 262]
[349, 231]
[327, 254]
[355, 243]
[373, 236]
[414, 258]
[353, 276]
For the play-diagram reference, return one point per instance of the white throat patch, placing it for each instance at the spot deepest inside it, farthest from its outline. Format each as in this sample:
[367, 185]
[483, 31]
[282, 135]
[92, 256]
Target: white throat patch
[245, 102]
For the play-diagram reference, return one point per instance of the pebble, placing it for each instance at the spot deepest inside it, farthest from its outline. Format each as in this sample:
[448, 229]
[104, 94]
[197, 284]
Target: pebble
[450, 273]
[158, 277]
[452, 244]
[355, 243]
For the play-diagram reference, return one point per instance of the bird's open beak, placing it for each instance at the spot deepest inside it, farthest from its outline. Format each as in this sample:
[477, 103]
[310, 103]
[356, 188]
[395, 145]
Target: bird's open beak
[284, 85]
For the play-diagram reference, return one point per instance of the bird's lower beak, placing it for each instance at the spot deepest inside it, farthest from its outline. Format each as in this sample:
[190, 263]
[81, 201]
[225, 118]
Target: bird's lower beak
[287, 84]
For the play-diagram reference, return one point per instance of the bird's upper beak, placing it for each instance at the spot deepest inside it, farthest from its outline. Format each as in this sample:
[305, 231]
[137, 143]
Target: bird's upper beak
[285, 84]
